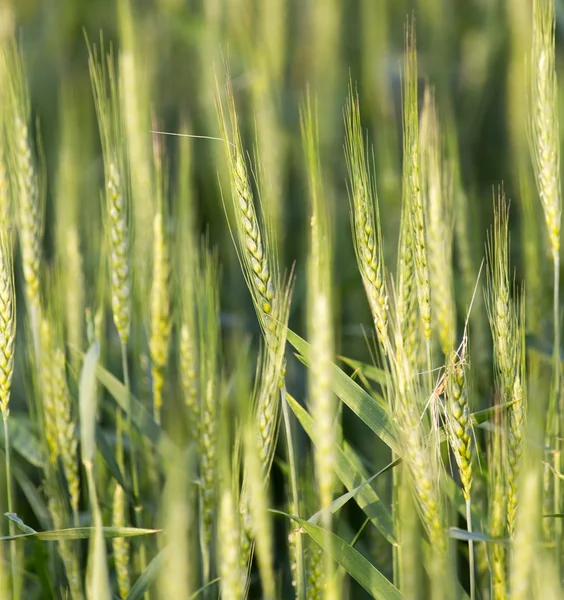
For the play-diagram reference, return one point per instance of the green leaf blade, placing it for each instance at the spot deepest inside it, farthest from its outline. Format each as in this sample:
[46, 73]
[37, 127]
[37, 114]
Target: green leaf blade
[358, 567]
[359, 401]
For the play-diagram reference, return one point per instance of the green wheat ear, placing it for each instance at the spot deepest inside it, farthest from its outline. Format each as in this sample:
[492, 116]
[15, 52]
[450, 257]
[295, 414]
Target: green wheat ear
[208, 323]
[516, 418]
[121, 546]
[160, 294]
[438, 203]
[7, 321]
[365, 218]
[544, 124]
[25, 180]
[258, 260]
[250, 225]
[501, 311]
[412, 161]
[458, 418]
[106, 100]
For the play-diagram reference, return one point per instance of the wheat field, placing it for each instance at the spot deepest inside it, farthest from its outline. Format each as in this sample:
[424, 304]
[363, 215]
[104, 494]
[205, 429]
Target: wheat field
[280, 310]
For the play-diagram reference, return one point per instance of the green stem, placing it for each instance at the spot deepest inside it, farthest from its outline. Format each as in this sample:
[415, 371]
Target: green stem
[13, 549]
[559, 408]
[133, 459]
[470, 550]
[119, 439]
[396, 560]
[300, 566]
[103, 584]
[204, 550]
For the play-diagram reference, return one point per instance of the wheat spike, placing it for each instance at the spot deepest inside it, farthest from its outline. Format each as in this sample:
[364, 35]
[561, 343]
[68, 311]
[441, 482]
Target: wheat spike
[7, 323]
[254, 250]
[365, 218]
[106, 100]
[437, 192]
[458, 420]
[121, 545]
[160, 311]
[49, 415]
[66, 427]
[412, 159]
[545, 145]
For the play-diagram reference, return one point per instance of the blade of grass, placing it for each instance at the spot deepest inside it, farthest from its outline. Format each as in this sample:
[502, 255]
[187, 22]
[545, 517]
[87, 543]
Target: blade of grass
[80, 533]
[370, 371]
[366, 574]
[361, 403]
[463, 535]
[365, 496]
[339, 502]
[148, 577]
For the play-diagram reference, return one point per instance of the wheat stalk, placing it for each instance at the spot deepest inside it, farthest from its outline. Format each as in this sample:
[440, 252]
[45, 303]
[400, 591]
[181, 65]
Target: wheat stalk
[160, 301]
[49, 413]
[119, 252]
[418, 445]
[257, 500]
[320, 327]
[544, 137]
[501, 312]
[516, 419]
[7, 342]
[253, 237]
[186, 261]
[228, 548]
[459, 430]
[208, 318]
[365, 217]
[406, 300]
[121, 546]
[497, 518]
[7, 322]
[437, 192]
[412, 159]
[256, 256]
[134, 74]
[30, 215]
[188, 366]
[458, 418]
[66, 427]
[104, 86]
[25, 182]
[545, 151]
